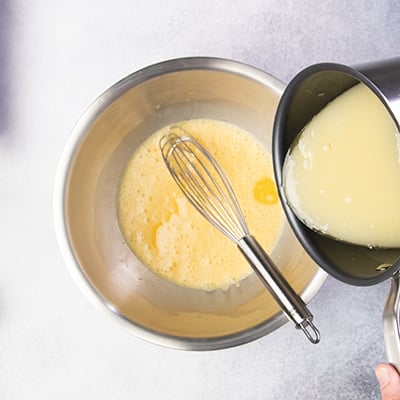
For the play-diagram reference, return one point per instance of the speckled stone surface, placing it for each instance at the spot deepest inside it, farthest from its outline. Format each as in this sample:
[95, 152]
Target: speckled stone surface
[56, 57]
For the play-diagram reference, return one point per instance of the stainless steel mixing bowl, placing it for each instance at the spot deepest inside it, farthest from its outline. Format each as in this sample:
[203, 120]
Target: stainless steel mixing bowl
[85, 206]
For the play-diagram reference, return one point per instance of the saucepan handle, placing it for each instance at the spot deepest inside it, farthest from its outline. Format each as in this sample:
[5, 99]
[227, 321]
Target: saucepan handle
[391, 328]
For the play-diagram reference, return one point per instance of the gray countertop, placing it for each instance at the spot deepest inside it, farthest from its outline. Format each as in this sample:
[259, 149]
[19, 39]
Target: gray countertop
[56, 57]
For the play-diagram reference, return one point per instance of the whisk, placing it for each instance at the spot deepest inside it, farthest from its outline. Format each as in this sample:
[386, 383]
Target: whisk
[206, 186]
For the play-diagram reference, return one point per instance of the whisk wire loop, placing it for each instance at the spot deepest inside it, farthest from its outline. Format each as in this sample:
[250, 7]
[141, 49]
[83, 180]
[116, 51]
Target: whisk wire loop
[190, 164]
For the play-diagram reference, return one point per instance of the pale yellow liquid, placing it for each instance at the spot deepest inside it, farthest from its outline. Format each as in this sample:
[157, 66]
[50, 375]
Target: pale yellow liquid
[166, 232]
[342, 177]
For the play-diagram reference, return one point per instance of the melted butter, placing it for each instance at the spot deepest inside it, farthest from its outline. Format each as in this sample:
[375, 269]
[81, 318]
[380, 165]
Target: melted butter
[342, 175]
[165, 231]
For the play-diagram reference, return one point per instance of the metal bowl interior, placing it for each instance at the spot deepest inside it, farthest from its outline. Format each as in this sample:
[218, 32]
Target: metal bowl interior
[85, 212]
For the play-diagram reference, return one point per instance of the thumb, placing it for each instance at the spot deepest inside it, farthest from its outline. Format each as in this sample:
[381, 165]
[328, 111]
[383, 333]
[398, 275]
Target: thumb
[389, 381]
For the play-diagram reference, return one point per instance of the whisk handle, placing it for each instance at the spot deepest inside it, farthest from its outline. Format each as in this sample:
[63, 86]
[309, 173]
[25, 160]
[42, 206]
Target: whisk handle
[289, 301]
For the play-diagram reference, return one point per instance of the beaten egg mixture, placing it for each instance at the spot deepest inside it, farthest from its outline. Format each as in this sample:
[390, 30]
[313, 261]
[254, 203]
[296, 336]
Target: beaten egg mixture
[166, 232]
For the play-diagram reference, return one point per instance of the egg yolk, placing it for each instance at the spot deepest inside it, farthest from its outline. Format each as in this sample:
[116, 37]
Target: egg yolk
[265, 191]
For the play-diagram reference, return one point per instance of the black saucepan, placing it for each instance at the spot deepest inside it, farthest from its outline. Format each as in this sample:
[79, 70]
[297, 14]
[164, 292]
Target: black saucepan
[305, 96]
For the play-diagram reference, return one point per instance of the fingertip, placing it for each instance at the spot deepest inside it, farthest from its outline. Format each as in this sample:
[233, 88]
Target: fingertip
[382, 372]
[387, 373]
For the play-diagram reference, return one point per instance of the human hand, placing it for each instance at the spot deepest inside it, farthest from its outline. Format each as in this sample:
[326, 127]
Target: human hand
[389, 381]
